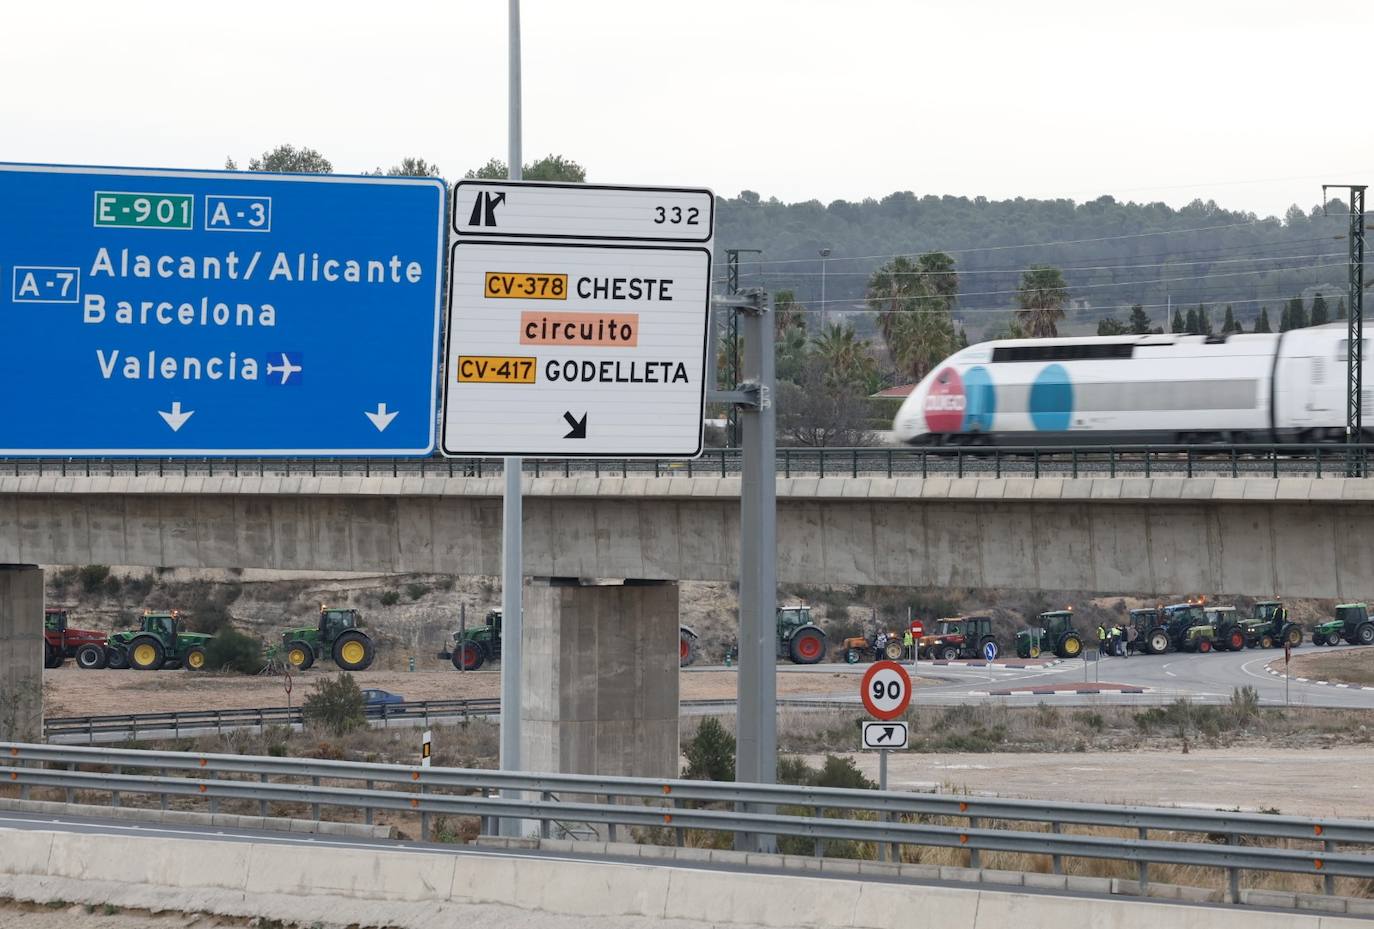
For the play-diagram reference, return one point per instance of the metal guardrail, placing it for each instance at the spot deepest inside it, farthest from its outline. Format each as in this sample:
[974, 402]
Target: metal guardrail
[889, 819]
[1251, 460]
[133, 724]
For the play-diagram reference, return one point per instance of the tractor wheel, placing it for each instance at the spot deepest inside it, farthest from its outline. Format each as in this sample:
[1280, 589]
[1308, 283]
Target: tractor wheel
[1035, 651]
[1365, 634]
[1236, 640]
[1293, 635]
[1204, 645]
[1071, 646]
[300, 655]
[195, 659]
[1266, 641]
[91, 657]
[686, 649]
[469, 656]
[851, 656]
[52, 658]
[1158, 642]
[116, 658]
[807, 647]
[353, 651]
[949, 653]
[893, 651]
[146, 654]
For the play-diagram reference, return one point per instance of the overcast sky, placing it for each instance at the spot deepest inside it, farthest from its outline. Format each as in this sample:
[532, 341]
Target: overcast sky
[1254, 103]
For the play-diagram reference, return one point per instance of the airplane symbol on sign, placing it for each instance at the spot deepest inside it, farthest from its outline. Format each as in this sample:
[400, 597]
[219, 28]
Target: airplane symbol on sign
[285, 369]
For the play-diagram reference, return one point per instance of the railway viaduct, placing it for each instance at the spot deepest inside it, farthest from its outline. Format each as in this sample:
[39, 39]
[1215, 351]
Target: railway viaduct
[1299, 537]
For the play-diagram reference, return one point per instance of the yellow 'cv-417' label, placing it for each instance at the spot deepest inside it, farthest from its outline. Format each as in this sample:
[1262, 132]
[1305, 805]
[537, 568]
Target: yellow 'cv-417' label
[495, 369]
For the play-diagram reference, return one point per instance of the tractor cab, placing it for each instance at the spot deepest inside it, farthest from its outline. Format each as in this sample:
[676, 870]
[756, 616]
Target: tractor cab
[55, 620]
[1264, 611]
[334, 623]
[1352, 613]
[494, 621]
[1178, 618]
[162, 625]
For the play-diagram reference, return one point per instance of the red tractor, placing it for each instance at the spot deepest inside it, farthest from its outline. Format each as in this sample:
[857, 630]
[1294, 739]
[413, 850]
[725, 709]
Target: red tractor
[965, 637]
[61, 642]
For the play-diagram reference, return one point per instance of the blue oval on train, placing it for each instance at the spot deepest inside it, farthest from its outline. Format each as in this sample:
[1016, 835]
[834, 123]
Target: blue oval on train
[980, 400]
[1051, 399]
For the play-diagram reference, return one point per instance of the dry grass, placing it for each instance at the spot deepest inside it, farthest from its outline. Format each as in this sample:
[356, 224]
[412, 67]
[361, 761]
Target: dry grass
[1351, 666]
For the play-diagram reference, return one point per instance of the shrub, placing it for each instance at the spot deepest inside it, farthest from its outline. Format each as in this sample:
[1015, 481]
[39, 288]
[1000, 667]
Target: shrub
[390, 598]
[336, 704]
[93, 577]
[711, 753]
[231, 650]
[416, 590]
[209, 617]
[839, 771]
[1245, 702]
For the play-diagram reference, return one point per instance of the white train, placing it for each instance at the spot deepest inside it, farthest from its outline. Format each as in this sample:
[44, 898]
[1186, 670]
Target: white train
[1150, 389]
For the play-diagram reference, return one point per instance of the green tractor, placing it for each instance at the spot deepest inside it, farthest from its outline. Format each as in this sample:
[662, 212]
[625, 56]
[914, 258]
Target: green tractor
[158, 643]
[1151, 632]
[1351, 624]
[1221, 631]
[336, 635]
[1269, 626]
[473, 647]
[1054, 633]
[799, 638]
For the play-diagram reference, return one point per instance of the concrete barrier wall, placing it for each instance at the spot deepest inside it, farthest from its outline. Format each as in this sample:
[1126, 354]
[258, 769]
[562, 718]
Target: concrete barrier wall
[352, 885]
[1294, 537]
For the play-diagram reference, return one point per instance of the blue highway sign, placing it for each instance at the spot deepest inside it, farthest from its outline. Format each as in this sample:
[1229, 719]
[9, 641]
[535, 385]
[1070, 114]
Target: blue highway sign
[203, 313]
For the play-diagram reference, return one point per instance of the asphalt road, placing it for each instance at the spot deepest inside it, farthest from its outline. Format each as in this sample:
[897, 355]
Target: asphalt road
[1204, 678]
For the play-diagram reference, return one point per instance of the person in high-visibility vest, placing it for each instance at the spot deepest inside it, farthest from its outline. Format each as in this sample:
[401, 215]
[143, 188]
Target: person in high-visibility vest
[1101, 640]
[908, 644]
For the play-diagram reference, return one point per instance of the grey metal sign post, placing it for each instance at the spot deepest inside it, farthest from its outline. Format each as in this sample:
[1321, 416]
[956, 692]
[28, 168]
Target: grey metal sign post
[512, 509]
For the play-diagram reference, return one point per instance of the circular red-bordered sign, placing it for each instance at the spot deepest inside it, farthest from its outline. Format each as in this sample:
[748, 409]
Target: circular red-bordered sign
[886, 690]
[918, 628]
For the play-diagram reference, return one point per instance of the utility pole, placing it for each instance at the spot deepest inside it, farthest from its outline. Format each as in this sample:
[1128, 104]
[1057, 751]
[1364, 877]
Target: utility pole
[825, 253]
[1354, 353]
[732, 328]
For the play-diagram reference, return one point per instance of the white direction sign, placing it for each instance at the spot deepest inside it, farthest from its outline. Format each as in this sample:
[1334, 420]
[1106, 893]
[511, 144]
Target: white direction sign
[593, 348]
[884, 735]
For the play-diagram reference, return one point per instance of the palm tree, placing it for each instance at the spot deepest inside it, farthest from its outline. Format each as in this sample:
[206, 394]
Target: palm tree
[913, 302]
[1041, 297]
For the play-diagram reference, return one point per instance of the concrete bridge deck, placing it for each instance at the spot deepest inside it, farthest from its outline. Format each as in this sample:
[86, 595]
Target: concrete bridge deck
[1293, 536]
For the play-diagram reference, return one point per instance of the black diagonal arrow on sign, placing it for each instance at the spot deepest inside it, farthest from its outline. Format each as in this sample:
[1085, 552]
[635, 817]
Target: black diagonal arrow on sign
[579, 426]
[888, 733]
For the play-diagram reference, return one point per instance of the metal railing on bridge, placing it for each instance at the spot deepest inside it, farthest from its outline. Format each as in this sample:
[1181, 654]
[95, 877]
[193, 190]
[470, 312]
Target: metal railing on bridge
[1233, 842]
[871, 461]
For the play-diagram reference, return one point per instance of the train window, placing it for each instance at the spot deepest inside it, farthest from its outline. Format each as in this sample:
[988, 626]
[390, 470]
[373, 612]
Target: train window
[1083, 352]
[1343, 345]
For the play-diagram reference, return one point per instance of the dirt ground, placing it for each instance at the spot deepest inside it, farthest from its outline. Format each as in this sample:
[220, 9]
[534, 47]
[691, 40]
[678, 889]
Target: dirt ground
[1351, 666]
[69, 691]
[27, 916]
[1249, 778]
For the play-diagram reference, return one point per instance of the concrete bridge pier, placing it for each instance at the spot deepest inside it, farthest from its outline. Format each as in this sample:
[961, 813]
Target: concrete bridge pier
[21, 653]
[600, 678]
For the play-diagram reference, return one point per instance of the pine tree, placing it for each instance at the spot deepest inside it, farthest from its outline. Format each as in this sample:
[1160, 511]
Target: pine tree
[1229, 324]
[1204, 320]
[1286, 318]
[1110, 325]
[1191, 326]
[1262, 323]
[963, 338]
[1139, 321]
[1340, 309]
[1178, 325]
[1297, 314]
[1319, 314]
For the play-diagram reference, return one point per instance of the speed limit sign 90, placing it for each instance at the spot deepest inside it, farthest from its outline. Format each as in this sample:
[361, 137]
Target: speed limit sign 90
[886, 690]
